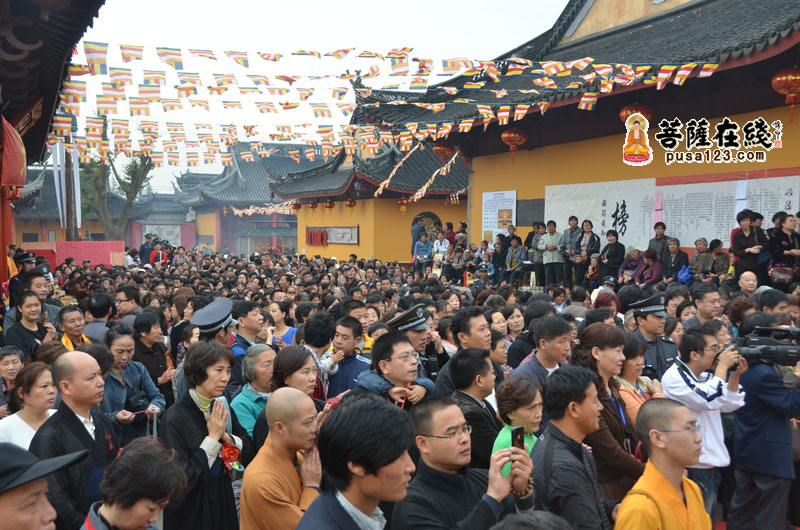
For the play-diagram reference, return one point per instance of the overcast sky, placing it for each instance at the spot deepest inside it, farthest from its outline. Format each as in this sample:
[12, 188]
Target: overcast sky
[474, 29]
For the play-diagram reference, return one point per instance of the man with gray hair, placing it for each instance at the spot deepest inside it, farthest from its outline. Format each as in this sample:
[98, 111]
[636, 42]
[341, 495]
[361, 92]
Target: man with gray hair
[76, 426]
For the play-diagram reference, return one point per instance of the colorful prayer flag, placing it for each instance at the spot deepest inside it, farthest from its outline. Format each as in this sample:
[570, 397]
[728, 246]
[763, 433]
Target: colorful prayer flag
[346, 108]
[339, 54]
[76, 70]
[171, 56]
[521, 111]
[154, 77]
[486, 112]
[418, 83]
[120, 76]
[259, 80]
[62, 125]
[603, 70]
[150, 92]
[225, 79]
[240, 58]
[203, 54]
[96, 57]
[503, 114]
[232, 105]
[106, 105]
[708, 69]
[580, 64]
[370, 55]
[266, 108]
[500, 93]
[139, 106]
[184, 91]
[664, 73]
[289, 106]
[171, 104]
[273, 57]
[543, 106]
[474, 85]
[683, 73]
[339, 93]
[247, 156]
[310, 53]
[374, 71]
[131, 52]
[227, 158]
[588, 100]
[294, 154]
[454, 66]
[278, 91]
[287, 78]
[305, 93]
[553, 67]
[320, 110]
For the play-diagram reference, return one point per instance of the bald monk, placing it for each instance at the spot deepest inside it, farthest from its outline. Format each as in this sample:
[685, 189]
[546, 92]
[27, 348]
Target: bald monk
[283, 479]
[636, 143]
[74, 427]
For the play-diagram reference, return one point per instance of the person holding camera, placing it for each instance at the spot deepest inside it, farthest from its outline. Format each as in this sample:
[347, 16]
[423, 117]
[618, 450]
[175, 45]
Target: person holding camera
[698, 381]
[762, 442]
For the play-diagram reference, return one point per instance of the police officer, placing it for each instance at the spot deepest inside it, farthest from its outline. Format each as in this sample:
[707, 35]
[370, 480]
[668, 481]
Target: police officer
[414, 323]
[25, 261]
[661, 352]
[483, 280]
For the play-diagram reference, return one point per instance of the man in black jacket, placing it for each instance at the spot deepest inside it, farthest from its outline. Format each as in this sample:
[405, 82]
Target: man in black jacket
[470, 330]
[564, 471]
[75, 427]
[473, 377]
[446, 493]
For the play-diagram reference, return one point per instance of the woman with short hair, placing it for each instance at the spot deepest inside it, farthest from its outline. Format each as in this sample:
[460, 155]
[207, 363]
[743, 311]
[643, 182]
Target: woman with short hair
[519, 404]
[257, 372]
[31, 403]
[136, 487]
[197, 428]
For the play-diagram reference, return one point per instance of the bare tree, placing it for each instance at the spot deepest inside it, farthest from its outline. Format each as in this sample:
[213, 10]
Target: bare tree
[96, 179]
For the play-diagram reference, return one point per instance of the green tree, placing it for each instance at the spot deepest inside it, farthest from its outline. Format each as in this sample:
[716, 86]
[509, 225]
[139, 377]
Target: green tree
[95, 185]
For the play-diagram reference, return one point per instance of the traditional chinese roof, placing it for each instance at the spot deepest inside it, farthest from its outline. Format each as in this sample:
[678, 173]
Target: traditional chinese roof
[158, 203]
[335, 178]
[34, 66]
[40, 201]
[713, 31]
[330, 179]
[242, 183]
[414, 173]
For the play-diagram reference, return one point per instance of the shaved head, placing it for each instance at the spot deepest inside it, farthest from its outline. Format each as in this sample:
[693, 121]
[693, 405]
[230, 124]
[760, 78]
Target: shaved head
[65, 366]
[284, 405]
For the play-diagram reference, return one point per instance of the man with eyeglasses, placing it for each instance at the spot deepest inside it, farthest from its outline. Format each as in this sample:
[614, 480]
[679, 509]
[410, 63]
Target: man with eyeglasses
[697, 380]
[663, 497]
[447, 493]
[127, 301]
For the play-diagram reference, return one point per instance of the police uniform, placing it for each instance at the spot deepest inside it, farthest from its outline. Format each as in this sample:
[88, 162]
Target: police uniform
[479, 284]
[415, 319]
[15, 283]
[661, 352]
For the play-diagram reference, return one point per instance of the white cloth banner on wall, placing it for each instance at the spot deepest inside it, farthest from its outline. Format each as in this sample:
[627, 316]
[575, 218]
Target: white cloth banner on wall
[171, 233]
[690, 210]
[499, 211]
[625, 206]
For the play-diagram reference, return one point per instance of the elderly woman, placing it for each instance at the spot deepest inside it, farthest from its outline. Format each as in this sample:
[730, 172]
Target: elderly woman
[257, 372]
[649, 272]
[196, 428]
[631, 264]
[701, 248]
[12, 359]
[672, 263]
[713, 265]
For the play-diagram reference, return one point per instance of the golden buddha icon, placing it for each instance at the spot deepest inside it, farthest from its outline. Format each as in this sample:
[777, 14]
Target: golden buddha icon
[636, 151]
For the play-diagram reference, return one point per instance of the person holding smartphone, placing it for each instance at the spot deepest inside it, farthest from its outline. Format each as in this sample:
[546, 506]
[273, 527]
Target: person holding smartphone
[519, 405]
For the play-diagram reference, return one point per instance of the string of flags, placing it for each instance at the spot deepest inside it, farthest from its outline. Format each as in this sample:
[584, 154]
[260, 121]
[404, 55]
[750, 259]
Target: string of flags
[282, 208]
[441, 171]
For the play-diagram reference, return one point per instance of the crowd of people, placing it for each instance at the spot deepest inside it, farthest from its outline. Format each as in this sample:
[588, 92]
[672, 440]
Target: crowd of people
[209, 390]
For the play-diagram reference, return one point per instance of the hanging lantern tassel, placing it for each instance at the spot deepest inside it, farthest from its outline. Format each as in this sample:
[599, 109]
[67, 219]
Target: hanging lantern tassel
[513, 138]
[403, 202]
[313, 207]
[442, 170]
[787, 83]
[350, 204]
[329, 206]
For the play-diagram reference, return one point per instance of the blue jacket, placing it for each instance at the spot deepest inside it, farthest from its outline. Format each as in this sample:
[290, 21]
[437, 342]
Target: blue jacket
[326, 512]
[136, 378]
[248, 405]
[762, 437]
[423, 251]
[347, 376]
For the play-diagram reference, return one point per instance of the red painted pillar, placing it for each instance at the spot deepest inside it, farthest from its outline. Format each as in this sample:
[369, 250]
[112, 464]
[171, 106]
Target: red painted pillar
[6, 232]
[218, 230]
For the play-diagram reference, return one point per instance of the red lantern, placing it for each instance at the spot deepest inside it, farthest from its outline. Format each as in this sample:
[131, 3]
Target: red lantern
[628, 110]
[296, 206]
[312, 205]
[224, 210]
[787, 83]
[443, 150]
[513, 138]
[329, 206]
[350, 204]
[403, 202]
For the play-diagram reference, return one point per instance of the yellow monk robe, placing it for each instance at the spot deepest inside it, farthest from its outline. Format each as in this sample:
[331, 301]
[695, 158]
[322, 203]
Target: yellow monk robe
[639, 512]
[636, 143]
